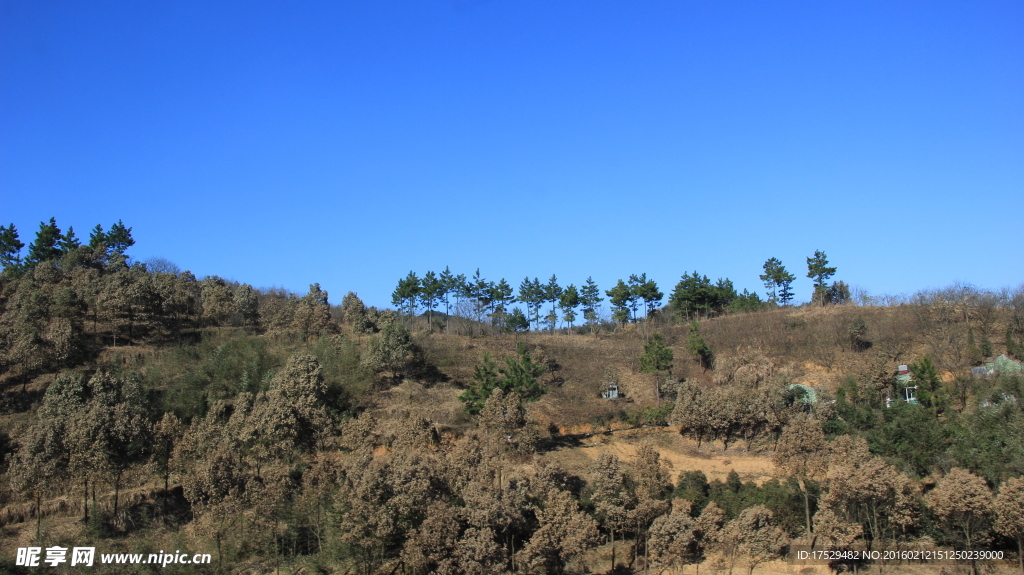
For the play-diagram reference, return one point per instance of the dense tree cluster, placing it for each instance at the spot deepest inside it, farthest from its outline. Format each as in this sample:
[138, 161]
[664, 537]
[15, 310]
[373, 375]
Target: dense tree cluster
[548, 304]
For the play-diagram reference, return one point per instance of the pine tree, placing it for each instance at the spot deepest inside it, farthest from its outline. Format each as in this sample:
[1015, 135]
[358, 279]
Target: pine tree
[590, 298]
[695, 295]
[10, 248]
[985, 346]
[119, 238]
[517, 321]
[777, 282]
[531, 293]
[430, 290]
[483, 383]
[477, 290]
[819, 271]
[698, 347]
[519, 375]
[568, 301]
[974, 356]
[771, 273]
[45, 247]
[500, 295]
[447, 288]
[97, 238]
[647, 291]
[406, 294]
[619, 296]
[657, 357]
[68, 241]
[552, 293]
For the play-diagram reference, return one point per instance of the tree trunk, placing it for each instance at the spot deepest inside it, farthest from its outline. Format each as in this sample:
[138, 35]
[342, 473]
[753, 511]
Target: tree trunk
[1020, 554]
[612, 532]
[807, 509]
[117, 493]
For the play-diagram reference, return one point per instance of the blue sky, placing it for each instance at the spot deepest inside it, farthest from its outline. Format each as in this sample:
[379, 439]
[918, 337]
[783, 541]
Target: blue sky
[281, 144]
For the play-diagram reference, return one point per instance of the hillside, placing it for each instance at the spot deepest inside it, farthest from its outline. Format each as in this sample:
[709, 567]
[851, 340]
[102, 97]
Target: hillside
[333, 438]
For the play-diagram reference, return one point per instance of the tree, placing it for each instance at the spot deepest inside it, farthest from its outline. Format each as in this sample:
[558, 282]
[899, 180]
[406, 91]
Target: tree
[405, 295]
[819, 271]
[673, 541]
[45, 247]
[656, 359]
[298, 396]
[517, 321]
[590, 298]
[777, 282]
[1009, 508]
[531, 293]
[697, 346]
[801, 453]
[986, 345]
[392, 350]
[503, 420]
[568, 301]
[633, 299]
[247, 305]
[552, 294]
[693, 411]
[931, 391]
[129, 294]
[646, 290]
[119, 238]
[97, 238]
[10, 248]
[218, 303]
[962, 502]
[117, 426]
[430, 291]
[166, 434]
[771, 272]
[620, 297]
[500, 296]
[312, 313]
[477, 290]
[611, 498]
[839, 293]
[519, 375]
[45, 457]
[696, 295]
[754, 535]
[447, 287]
[564, 532]
[353, 313]
[68, 241]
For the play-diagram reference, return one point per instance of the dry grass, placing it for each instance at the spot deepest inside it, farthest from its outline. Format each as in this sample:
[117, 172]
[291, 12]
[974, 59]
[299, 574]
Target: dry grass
[679, 453]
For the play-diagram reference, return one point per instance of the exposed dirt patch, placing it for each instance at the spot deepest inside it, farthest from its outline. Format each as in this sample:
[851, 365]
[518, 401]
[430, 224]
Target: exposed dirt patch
[681, 454]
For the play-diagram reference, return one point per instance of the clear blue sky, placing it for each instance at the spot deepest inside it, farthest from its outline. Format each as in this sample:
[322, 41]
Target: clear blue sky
[347, 143]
